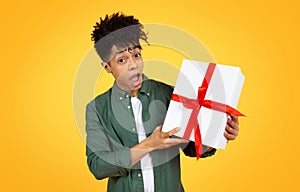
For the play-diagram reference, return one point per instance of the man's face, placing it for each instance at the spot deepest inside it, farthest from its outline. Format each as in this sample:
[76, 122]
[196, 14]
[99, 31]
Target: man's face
[126, 65]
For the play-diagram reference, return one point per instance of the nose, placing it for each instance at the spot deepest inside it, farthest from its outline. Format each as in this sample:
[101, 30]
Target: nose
[133, 64]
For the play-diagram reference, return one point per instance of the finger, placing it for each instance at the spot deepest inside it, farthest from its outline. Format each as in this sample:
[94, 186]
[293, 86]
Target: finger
[185, 140]
[235, 119]
[232, 124]
[182, 140]
[173, 131]
[231, 131]
[175, 141]
[162, 134]
[229, 136]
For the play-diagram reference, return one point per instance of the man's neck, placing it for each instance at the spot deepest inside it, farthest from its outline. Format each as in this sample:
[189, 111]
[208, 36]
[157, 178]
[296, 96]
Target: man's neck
[134, 93]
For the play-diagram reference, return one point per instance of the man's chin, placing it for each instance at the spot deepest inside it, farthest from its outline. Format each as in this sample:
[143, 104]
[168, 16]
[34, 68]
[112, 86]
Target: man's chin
[138, 86]
[135, 87]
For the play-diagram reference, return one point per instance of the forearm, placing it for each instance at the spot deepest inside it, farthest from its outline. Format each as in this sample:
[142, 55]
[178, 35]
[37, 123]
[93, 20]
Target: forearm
[138, 151]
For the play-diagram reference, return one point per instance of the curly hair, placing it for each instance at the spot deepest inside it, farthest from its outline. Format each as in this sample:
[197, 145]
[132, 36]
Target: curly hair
[119, 30]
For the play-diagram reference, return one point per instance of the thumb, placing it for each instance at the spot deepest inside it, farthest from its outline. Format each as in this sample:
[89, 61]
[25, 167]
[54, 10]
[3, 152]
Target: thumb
[158, 128]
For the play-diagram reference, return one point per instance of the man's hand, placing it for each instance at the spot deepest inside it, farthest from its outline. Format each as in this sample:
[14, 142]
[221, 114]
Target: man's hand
[162, 140]
[232, 128]
[157, 140]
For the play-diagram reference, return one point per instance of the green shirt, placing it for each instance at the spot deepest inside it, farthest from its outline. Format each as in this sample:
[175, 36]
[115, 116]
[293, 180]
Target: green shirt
[111, 132]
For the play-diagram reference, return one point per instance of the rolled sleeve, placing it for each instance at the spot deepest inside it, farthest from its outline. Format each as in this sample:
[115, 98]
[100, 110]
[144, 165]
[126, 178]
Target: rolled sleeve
[208, 154]
[190, 150]
[105, 157]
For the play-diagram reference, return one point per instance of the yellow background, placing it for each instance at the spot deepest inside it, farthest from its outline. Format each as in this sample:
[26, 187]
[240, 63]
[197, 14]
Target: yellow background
[43, 43]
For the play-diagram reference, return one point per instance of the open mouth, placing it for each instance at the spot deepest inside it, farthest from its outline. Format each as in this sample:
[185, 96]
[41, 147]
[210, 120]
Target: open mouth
[135, 79]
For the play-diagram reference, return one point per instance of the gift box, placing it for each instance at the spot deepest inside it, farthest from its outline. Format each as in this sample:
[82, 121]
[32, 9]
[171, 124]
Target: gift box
[205, 95]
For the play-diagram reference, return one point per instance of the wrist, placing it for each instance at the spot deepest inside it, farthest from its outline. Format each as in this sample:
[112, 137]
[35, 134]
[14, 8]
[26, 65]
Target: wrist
[147, 144]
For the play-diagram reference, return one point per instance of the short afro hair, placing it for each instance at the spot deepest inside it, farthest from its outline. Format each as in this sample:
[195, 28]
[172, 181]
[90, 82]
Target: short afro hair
[119, 30]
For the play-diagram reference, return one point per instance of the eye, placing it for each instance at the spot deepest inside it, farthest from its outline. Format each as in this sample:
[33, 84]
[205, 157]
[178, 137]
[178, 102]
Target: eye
[121, 60]
[137, 55]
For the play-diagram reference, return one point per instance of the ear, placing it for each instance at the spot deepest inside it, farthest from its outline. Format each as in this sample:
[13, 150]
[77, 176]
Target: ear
[106, 67]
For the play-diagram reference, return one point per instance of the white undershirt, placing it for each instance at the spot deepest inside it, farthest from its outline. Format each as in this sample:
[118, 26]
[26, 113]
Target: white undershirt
[146, 161]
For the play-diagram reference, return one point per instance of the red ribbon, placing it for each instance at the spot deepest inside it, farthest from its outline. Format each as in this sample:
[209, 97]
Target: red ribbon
[196, 104]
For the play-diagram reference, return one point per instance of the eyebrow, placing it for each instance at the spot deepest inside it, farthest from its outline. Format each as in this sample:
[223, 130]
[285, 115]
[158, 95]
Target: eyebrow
[119, 52]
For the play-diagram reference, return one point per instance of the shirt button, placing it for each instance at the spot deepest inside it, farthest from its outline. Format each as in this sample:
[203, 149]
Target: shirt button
[126, 96]
[139, 175]
[128, 107]
[133, 129]
[121, 98]
[148, 94]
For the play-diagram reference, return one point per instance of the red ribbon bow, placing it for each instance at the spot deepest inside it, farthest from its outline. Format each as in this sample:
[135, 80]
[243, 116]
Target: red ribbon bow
[196, 104]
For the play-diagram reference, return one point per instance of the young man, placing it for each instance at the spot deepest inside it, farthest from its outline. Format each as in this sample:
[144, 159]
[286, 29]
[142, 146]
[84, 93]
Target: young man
[124, 138]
